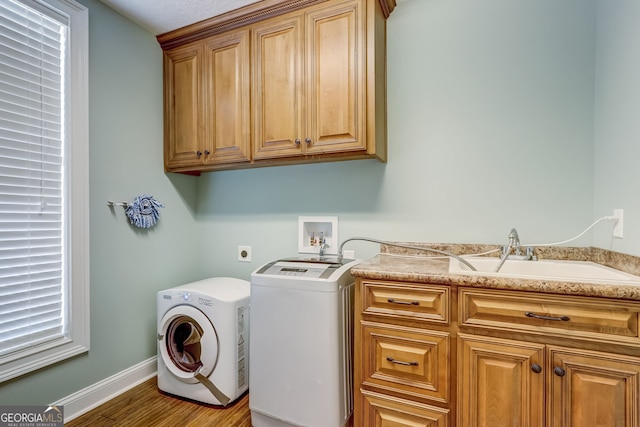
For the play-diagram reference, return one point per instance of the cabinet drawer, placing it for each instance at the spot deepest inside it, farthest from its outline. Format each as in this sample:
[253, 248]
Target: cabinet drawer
[380, 410]
[410, 361]
[567, 316]
[403, 301]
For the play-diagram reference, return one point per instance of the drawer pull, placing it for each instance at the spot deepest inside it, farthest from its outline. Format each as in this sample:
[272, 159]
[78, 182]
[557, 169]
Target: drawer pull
[539, 316]
[536, 368]
[400, 362]
[393, 301]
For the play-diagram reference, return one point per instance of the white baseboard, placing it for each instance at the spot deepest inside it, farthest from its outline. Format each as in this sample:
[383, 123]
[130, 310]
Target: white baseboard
[88, 398]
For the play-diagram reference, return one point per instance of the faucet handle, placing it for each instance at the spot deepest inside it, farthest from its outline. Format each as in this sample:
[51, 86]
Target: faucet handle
[505, 250]
[530, 253]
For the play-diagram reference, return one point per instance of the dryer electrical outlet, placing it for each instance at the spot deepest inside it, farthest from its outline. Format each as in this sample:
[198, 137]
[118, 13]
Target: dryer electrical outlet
[244, 253]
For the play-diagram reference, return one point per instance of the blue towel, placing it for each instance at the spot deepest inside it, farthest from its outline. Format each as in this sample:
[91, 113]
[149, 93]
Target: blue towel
[143, 212]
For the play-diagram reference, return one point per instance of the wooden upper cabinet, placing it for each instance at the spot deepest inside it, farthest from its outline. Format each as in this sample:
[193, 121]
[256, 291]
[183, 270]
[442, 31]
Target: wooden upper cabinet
[318, 111]
[183, 110]
[227, 98]
[207, 103]
[336, 78]
[277, 88]
[277, 82]
[308, 82]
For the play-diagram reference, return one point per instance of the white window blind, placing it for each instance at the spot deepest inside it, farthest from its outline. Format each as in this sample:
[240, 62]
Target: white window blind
[35, 195]
[31, 177]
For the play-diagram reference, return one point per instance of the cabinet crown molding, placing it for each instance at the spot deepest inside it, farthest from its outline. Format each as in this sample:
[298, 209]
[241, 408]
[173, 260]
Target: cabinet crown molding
[247, 15]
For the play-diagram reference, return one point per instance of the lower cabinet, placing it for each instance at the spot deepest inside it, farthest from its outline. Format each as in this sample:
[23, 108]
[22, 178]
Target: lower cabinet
[402, 361]
[503, 359]
[515, 383]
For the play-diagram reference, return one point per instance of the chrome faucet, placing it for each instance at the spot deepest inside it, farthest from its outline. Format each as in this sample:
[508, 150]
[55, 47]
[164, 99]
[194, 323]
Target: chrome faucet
[323, 244]
[514, 246]
[514, 241]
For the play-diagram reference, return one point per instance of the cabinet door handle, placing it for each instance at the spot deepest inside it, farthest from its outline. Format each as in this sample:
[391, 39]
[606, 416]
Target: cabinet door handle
[559, 371]
[308, 140]
[198, 153]
[393, 301]
[542, 317]
[207, 152]
[536, 368]
[400, 362]
[297, 141]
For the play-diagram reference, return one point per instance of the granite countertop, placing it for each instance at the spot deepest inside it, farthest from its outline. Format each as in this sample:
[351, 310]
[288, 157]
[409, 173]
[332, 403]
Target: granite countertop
[398, 264]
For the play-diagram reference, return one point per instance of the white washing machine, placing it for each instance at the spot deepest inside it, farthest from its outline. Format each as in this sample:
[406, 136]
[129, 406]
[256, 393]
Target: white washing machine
[203, 340]
[302, 343]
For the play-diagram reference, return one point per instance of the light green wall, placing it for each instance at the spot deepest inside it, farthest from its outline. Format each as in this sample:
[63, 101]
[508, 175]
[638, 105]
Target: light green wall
[490, 114]
[617, 125]
[128, 266]
[491, 126]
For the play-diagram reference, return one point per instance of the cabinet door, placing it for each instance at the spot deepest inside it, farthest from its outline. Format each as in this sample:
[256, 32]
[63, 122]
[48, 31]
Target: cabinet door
[336, 79]
[227, 98]
[277, 53]
[183, 106]
[590, 389]
[500, 382]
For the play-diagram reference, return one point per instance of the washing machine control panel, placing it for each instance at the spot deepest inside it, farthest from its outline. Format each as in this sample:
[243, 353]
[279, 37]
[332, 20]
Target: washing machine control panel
[297, 271]
[300, 268]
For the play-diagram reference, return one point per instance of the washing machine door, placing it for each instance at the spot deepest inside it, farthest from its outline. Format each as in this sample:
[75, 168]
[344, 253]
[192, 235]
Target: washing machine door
[188, 343]
[189, 347]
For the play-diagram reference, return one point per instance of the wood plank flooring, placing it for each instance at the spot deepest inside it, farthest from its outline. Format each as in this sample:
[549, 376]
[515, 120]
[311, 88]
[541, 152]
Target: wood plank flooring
[145, 406]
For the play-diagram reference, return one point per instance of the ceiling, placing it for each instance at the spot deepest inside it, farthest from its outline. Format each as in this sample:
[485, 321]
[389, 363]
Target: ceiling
[161, 16]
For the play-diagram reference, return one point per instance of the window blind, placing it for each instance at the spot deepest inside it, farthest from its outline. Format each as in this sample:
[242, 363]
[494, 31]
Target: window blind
[32, 210]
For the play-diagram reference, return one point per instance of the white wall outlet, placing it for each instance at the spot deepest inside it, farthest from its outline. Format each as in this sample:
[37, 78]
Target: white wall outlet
[244, 253]
[349, 254]
[618, 230]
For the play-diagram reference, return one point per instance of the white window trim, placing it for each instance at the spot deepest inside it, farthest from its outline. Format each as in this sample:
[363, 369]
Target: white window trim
[77, 162]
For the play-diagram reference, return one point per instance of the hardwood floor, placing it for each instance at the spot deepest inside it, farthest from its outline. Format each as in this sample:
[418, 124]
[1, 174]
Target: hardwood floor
[146, 406]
